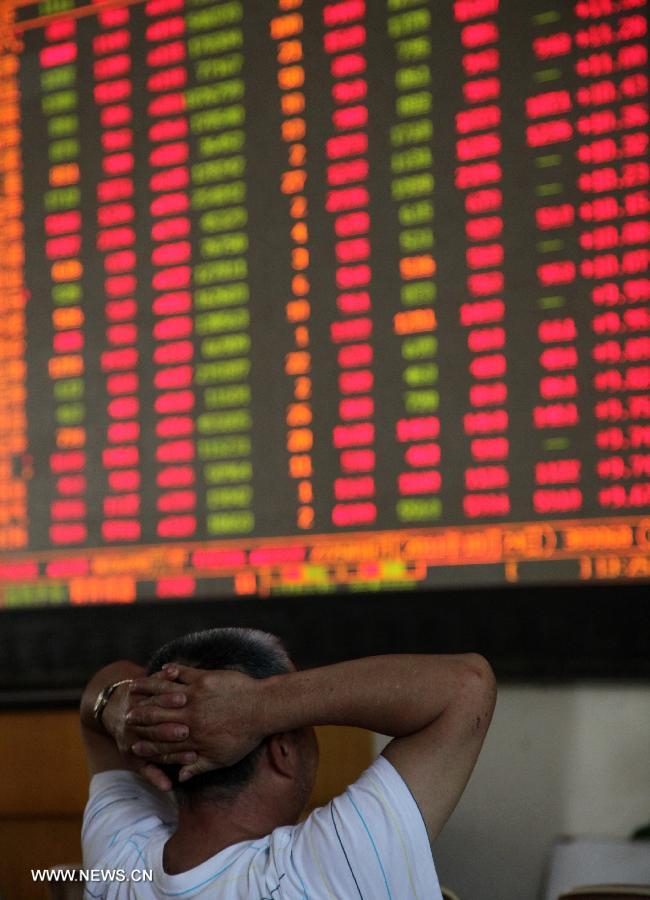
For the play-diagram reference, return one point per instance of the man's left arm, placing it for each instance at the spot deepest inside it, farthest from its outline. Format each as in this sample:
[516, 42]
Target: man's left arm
[107, 738]
[119, 803]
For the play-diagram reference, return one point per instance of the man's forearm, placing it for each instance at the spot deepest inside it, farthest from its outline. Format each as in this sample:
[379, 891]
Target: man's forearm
[395, 695]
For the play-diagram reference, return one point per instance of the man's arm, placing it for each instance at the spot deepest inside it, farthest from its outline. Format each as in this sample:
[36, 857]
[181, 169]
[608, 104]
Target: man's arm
[437, 709]
[107, 742]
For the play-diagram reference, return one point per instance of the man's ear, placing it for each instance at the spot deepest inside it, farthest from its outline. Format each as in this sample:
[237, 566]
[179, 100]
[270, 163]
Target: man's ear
[283, 754]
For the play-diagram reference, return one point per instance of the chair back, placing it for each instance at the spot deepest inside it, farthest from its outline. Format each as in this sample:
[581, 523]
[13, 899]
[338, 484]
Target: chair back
[448, 894]
[608, 892]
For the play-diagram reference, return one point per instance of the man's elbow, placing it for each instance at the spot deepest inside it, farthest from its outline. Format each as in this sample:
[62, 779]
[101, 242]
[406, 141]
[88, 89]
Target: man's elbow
[479, 667]
[478, 688]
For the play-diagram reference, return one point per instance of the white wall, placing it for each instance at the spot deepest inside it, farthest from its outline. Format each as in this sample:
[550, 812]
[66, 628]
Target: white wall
[571, 760]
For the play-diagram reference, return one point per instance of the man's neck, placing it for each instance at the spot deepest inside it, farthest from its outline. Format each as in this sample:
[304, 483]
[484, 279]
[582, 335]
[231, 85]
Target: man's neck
[204, 829]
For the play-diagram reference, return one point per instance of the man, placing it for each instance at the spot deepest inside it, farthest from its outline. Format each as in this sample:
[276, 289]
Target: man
[223, 723]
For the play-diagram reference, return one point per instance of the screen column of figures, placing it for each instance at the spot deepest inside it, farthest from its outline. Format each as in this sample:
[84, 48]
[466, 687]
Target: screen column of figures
[322, 296]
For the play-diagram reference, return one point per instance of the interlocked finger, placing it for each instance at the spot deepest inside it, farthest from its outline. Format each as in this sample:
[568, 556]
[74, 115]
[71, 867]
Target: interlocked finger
[153, 715]
[179, 759]
[167, 732]
[157, 749]
[155, 776]
[154, 685]
[166, 701]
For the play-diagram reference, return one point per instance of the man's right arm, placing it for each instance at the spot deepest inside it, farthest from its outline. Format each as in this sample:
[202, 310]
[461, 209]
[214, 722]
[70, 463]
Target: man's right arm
[437, 709]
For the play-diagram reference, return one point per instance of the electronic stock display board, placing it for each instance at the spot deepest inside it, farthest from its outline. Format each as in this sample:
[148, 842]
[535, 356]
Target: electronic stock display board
[299, 297]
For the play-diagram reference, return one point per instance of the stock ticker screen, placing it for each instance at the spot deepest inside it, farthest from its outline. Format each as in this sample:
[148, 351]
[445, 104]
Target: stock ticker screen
[299, 297]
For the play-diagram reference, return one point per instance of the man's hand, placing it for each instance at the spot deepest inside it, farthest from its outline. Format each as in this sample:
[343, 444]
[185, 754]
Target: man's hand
[115, 722]
[220, 709]
[108, 743]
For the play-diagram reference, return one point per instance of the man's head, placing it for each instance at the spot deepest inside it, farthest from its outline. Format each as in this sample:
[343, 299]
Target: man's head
[289, 759]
